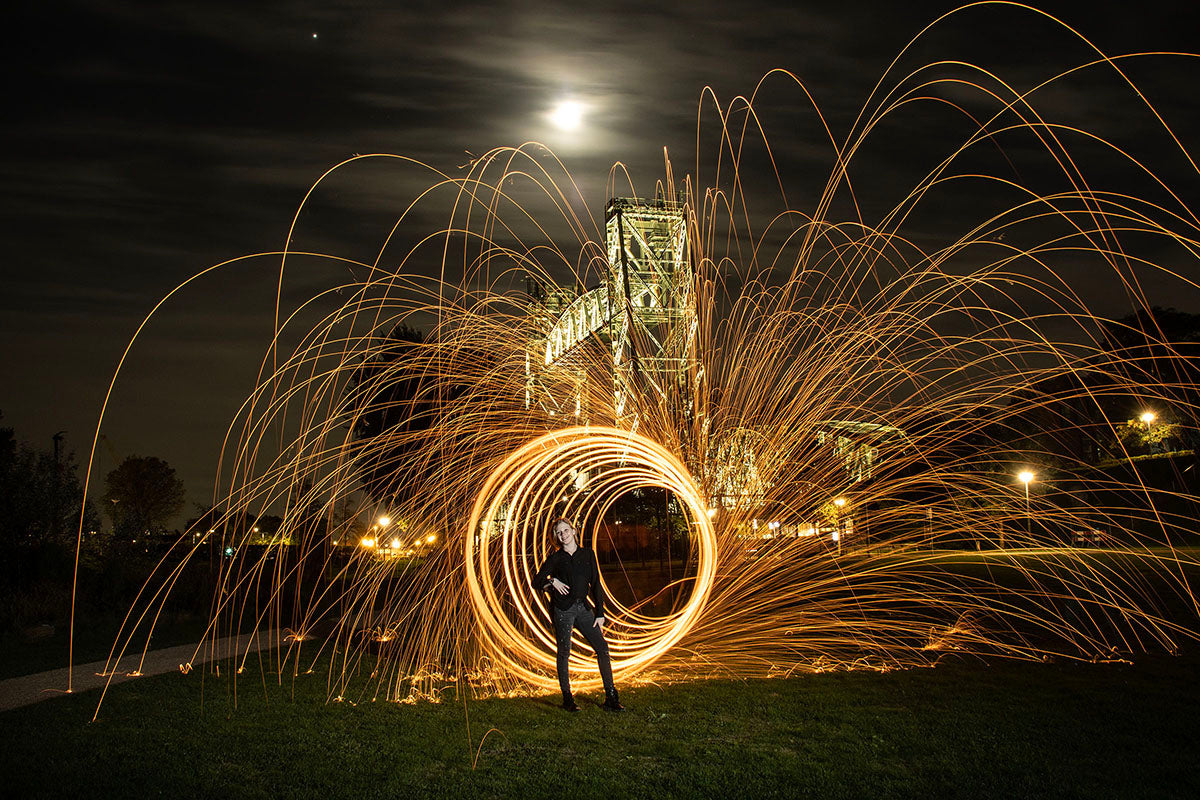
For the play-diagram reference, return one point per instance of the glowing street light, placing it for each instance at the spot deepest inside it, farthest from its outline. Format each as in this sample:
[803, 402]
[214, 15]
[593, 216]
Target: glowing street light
[384, 521]
[1025, 477]
[1148, 418]
[839, 503]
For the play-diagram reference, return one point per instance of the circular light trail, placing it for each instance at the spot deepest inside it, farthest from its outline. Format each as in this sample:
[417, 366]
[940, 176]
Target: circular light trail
[508, 538]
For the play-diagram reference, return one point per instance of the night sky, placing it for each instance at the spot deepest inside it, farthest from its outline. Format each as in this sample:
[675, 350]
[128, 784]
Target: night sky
[143, 143]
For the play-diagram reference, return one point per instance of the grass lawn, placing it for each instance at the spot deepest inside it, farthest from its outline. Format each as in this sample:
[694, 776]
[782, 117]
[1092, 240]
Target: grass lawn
[964, 729]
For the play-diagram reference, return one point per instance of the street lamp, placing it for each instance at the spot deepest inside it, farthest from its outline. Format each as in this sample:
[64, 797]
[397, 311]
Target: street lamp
[839, 503]
[1148, 418]
[1025, 477]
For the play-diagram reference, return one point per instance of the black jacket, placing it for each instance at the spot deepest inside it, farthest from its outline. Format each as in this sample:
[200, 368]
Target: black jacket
[579, 571]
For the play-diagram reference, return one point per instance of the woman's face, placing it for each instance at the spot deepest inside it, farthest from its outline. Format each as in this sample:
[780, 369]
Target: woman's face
[564, 533]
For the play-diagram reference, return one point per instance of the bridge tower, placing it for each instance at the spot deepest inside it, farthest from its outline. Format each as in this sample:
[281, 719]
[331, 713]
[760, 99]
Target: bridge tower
[643, 313]
[651, 286]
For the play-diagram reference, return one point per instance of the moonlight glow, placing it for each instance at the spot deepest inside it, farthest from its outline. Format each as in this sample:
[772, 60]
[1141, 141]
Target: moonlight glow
[567, 115]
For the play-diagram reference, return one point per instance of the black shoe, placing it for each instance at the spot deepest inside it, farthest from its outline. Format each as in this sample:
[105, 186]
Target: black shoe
[612, 703]
[570, 705]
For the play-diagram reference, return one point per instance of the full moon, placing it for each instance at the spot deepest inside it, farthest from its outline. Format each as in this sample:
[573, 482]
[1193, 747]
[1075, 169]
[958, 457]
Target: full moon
[567, 115]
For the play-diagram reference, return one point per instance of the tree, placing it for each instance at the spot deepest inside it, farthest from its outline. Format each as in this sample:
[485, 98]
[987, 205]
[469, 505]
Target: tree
[1159, 352]
[657, 509]
[399, 409]
[406, 393]
[40, 498]
[142, 496]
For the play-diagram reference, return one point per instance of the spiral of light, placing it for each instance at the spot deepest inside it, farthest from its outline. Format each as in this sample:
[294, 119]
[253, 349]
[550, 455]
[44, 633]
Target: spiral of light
[577, 473]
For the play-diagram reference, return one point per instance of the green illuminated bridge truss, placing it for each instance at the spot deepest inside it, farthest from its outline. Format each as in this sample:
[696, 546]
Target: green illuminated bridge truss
[644, 313]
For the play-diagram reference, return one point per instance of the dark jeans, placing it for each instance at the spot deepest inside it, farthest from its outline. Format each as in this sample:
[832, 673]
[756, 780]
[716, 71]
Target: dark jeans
[579, 616]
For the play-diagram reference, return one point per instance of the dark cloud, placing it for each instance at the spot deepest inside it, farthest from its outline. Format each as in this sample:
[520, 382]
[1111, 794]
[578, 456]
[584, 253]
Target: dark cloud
[145, 142]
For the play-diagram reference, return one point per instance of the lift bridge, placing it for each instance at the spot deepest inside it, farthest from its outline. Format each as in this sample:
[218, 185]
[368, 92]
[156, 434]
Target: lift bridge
[637, 329]
[643, 314]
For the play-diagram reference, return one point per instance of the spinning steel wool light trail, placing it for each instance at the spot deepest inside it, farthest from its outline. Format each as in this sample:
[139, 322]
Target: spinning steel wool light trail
[833, 410]
[515, 496]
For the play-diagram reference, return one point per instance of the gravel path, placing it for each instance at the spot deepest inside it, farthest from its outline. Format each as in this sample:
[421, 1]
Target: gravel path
[17, 692]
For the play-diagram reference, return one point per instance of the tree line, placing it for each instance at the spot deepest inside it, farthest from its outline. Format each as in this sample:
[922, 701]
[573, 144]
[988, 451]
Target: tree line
[41, 510]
